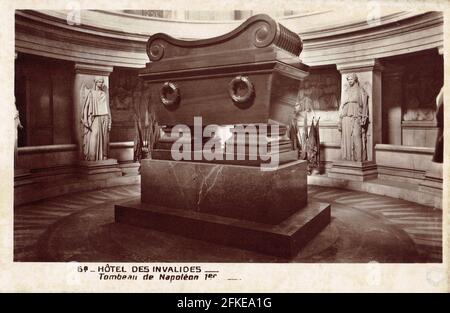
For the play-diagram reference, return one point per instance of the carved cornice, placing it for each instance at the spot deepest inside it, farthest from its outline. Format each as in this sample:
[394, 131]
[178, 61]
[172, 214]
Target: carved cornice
[52, 37]
[398, 20]
[359, 66]
[101, 38]
[414, 32]
[93, 69]
[58, 19]
[406, 23]
[219, 71]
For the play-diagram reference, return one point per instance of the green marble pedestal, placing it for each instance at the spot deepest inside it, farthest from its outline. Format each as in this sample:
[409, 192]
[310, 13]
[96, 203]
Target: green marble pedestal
[241, 206]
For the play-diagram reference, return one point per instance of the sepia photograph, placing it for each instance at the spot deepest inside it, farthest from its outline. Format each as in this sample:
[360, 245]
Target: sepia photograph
[246, 136]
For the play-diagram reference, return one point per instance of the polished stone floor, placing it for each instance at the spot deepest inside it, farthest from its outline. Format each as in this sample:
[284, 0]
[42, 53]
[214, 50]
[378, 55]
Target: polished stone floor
[364, 227]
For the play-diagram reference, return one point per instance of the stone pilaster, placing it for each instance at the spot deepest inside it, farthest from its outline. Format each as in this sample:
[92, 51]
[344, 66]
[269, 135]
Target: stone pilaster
[84, 78]
[369, 77]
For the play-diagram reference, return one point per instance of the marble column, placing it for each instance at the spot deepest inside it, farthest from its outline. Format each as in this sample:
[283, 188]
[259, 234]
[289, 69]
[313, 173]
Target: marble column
[84, 78]
[369, 77]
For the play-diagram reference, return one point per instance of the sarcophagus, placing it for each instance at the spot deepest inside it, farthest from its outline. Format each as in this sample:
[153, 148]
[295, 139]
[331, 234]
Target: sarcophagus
[240, 77]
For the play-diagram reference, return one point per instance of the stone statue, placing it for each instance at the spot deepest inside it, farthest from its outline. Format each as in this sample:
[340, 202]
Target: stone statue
[18, 125]
[354, 120]
[438, 156]
[96, 120]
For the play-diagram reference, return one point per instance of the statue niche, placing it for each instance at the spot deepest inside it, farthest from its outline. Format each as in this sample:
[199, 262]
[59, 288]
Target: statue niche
[420, 88]
[129, 97]
[122, 92]
[318, 94]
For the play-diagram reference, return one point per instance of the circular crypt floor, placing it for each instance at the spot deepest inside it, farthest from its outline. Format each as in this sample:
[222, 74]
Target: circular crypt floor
[364, 227]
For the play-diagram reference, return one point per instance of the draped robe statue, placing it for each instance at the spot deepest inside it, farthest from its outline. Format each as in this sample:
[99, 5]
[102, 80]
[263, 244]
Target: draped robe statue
[96, 120]
[18, 125]
[438, 156]
[353, 121]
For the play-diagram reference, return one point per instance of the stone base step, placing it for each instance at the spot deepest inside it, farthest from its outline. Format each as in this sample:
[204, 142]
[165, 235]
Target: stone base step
[390, 188]
[284, 239]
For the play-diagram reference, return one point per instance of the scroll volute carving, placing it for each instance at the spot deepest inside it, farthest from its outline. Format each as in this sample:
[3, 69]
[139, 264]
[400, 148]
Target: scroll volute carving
[263, 34]
[258, 31]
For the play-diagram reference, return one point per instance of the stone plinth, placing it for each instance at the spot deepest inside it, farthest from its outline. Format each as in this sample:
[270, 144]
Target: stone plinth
[353, 170]
[130, 168]
[241, 206]
[284, 240]
[243, 192]
[432, 182]
[102, 169]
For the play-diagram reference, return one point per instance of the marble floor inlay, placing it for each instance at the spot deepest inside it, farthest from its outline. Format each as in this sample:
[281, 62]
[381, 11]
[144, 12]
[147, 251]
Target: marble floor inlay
[364, 227]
